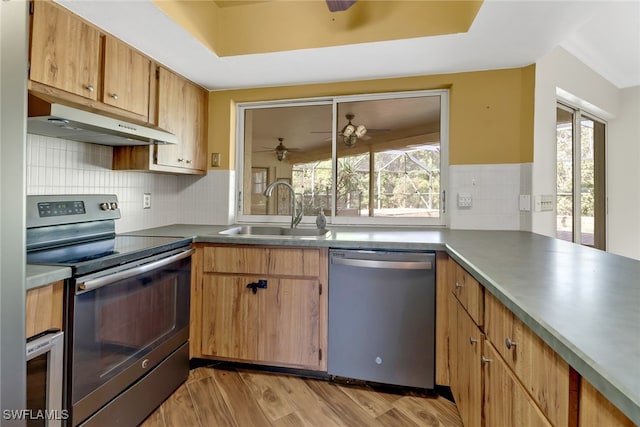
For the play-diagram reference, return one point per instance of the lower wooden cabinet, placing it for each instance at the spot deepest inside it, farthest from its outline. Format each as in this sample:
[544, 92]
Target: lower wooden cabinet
[466, 367]
[597, 411]
[269, 318]
[506, 402]
[44, 308]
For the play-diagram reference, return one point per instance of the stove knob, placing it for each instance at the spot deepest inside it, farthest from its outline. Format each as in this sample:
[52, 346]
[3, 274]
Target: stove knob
[105, 206]
[114, 206]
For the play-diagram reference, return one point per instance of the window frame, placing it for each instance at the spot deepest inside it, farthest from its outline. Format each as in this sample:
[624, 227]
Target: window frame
[578, 114]
[334, 101]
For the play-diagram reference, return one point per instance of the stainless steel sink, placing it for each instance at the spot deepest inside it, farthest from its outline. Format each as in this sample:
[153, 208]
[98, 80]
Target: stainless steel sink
[259, 230]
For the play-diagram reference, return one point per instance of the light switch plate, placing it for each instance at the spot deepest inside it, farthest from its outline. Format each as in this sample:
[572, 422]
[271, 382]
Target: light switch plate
[464, 201]
[146, 201]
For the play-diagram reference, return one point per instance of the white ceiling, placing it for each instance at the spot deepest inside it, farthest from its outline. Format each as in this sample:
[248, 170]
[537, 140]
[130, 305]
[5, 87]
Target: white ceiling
[605, 35]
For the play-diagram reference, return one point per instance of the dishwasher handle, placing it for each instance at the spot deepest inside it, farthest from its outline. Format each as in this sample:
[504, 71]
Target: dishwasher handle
[395, 265]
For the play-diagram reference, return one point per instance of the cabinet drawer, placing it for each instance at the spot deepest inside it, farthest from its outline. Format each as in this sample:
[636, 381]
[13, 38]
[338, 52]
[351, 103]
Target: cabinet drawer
[260, 260]
[469, 292]
[540, 370]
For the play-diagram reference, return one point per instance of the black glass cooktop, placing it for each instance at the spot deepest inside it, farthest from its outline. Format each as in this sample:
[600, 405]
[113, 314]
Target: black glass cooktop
[91, 256]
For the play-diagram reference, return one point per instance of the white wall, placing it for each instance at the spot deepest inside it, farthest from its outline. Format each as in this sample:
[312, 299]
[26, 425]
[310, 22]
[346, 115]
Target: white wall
[561, 73]
[623, 176]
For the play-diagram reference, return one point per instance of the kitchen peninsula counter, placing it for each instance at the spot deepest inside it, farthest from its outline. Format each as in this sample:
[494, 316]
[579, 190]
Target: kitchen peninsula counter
[584, 303]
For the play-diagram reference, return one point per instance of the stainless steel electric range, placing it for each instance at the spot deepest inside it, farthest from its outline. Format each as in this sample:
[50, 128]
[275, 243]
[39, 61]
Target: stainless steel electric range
[126, 314]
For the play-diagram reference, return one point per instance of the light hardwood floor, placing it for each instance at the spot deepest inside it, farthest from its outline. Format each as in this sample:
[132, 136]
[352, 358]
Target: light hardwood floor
[243, 398]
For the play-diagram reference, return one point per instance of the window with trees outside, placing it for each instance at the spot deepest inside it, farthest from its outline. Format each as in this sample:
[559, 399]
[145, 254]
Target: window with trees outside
[378, 159]
[580, 174]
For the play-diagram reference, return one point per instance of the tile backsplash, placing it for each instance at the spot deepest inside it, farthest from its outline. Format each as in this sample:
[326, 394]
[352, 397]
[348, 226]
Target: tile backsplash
[58, 166]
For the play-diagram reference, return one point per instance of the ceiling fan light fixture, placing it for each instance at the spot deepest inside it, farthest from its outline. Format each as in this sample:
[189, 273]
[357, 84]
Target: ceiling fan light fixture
[350, 133]
[281, 150]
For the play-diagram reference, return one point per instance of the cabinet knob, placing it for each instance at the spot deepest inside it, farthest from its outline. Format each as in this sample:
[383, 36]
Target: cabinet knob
[114, 96]
[472, 340]
[509, 343]
[180, 160]
[188, 162]
[484, 360]
[260, 284]
[458, 285]
[90, 88]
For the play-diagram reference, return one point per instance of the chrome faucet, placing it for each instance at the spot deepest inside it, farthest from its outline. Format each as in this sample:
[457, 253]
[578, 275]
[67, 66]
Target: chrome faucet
[296, 216]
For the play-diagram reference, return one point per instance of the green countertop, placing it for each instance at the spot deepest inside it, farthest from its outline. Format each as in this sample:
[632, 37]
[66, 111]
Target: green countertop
[584, 303]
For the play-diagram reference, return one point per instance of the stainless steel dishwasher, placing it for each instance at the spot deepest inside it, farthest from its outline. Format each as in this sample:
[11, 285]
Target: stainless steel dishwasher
[382, 317]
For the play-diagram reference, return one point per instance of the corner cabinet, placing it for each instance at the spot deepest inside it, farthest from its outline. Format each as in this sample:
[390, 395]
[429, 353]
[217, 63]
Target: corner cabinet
[263, 305]
[182, 109]
[501, 373]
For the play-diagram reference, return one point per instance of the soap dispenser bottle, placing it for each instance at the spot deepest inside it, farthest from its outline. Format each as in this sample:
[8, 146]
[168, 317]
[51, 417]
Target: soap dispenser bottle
[321, 220]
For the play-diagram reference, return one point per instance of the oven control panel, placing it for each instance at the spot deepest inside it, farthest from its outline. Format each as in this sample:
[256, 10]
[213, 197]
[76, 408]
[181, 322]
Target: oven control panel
[44, 210]
[60, 208]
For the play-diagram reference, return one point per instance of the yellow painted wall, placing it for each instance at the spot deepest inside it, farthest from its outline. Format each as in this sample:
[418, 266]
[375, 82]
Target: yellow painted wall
[491, 112]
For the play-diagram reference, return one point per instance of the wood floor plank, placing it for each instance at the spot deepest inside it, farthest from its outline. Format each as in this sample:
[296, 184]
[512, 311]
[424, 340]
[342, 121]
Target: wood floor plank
[291, 420]
[367, 399]
[352, 415]
[395, 418]
[266, 390]
[209, 403]
[312, 410]
[429, 411]
[238, 397]
[178, 410]
[221, 397]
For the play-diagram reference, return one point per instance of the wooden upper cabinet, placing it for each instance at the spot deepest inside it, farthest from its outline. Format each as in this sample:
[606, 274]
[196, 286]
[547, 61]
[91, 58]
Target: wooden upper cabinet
[65, 51]
[126, 78]
[182, 110]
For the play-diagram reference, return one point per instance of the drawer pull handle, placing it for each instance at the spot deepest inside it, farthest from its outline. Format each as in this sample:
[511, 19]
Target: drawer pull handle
[484, 360]
[262, 284]
[89, 88]
[510, 343]
[114, 96]
[472, 340]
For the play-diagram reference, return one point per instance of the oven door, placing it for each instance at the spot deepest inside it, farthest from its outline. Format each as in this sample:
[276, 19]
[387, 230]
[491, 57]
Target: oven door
[124, 323]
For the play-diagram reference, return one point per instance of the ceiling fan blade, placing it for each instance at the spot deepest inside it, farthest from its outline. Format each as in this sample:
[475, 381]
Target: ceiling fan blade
[339, 5]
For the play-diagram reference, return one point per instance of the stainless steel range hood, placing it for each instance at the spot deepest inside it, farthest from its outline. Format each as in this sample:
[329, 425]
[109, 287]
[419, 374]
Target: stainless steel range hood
[62, 121]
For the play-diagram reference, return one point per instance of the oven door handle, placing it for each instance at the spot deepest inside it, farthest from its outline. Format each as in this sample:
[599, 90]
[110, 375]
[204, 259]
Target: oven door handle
[92, 284]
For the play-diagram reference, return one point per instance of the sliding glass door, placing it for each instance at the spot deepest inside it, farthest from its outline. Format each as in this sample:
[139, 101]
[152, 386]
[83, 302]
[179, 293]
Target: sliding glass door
[580, 190]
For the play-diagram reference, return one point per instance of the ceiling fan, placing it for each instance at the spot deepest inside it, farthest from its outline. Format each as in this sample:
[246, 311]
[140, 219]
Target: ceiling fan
[339, 5]
[350, 133]
[281, 150]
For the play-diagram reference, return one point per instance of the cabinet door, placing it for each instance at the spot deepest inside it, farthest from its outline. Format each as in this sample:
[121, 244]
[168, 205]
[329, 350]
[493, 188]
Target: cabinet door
[541, 371]
[126, 78]
[229, 317]
[290, 322]
[182, 110]
[171, 116]
[506, 403]
[468, 377]
[65, 52]
[597, 411]
[44, 308]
